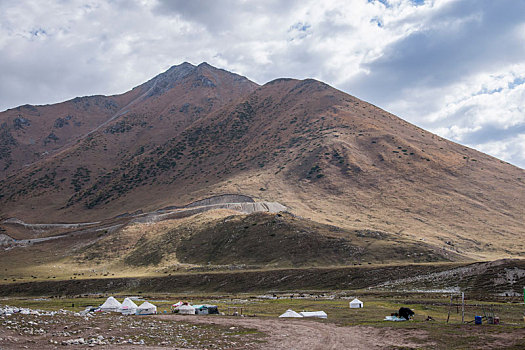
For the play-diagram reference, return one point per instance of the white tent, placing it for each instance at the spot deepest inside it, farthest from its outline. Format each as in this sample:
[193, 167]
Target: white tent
[356, 304]
[146, 308]
[186, 310]
[128, 307]
[291, 313]
[320, 314]
[111, 304]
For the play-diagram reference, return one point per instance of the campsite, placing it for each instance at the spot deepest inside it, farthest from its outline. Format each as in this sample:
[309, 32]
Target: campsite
[260, 327]
[262, 175]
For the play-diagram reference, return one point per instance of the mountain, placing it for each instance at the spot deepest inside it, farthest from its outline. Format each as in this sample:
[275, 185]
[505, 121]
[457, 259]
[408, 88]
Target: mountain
[175, 98]
[88, 144]
[197, 131]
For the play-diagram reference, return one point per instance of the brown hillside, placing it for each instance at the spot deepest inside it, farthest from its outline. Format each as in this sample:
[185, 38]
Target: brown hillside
[326, 155]
[274, 240]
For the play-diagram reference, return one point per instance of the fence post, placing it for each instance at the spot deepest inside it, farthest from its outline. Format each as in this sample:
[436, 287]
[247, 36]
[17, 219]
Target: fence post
[449, 307]
[462, 307]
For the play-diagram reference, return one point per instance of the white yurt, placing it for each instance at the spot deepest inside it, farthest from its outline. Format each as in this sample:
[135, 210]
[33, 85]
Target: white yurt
[186, 310]
[111, 304]
[128, 307]
[291, 313]
[356, 304]
[319, 314]
[146, 308]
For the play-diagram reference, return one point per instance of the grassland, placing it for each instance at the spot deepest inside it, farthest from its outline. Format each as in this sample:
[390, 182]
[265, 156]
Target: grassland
[435, 334]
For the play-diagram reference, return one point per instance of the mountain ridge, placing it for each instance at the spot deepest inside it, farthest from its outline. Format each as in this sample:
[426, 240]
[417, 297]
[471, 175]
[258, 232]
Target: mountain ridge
[326, 155]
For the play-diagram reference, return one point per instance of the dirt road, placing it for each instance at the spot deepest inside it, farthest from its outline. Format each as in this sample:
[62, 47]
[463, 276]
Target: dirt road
[313, 334]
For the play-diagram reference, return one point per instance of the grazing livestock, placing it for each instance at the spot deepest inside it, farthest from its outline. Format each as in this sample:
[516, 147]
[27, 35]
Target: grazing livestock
[406, 313]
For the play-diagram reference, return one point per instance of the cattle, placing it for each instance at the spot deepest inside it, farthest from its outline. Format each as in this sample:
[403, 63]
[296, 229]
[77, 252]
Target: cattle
[406, 313]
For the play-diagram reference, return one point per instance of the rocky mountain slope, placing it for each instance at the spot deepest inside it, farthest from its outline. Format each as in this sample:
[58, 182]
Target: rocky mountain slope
[197, 131]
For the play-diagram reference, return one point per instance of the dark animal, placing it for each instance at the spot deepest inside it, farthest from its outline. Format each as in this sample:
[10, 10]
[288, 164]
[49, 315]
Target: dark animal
[406, 313]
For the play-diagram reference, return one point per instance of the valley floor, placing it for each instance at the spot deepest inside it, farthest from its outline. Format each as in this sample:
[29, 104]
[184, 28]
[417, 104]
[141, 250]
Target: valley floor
[213, 332]
[345, 328]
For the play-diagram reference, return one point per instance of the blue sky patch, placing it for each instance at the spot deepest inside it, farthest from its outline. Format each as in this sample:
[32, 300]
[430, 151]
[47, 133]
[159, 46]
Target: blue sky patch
[300, 26]
[518, 81]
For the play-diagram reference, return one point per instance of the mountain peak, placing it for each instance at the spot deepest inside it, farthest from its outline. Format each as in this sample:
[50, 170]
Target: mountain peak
[183, 66]
[202, 75]
[168, 79]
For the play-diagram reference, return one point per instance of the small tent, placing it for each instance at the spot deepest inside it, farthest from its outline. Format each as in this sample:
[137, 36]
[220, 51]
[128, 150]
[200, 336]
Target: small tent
[146, 308]
[212, 309]
[111, 304]
[200, 309]
[186, 309]
[128, 307]
[319, 314]
[291, 313]
[206, 309]
[356, 304]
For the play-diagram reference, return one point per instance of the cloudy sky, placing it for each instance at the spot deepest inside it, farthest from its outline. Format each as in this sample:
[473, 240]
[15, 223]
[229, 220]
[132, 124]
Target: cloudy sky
[454, 67]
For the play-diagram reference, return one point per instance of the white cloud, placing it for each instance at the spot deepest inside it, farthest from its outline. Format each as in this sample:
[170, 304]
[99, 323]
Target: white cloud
[513, 148]
[485, 111]
[453, 66]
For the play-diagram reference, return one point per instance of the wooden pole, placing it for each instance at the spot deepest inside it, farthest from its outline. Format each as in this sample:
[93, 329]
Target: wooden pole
[449, 307]
[462, 307]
